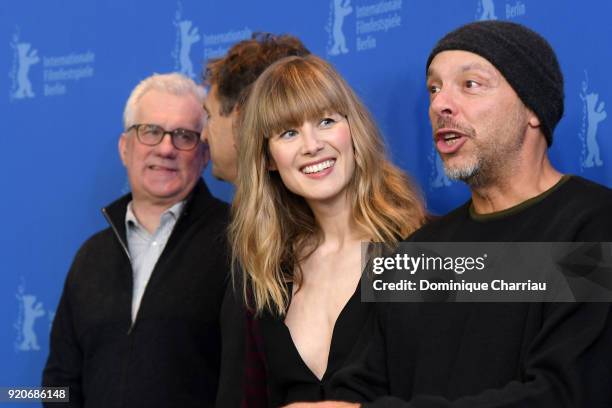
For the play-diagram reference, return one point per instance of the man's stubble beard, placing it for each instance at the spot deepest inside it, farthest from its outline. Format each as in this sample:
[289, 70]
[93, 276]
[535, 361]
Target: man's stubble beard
[492, 158]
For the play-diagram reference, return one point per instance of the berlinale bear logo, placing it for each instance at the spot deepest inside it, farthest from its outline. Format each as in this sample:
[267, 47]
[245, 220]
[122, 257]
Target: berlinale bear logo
[341, 9]
[29, 312]
[593, 114]
[187, 36]
[25, 57]
[486, 10]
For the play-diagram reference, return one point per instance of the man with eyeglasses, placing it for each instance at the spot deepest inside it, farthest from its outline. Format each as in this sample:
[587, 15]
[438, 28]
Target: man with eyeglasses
[138, 321]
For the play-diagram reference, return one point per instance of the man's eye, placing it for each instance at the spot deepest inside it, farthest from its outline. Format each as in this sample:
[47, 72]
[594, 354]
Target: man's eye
[151, 130]
[471, 84]
[433, 89]
[185, 135]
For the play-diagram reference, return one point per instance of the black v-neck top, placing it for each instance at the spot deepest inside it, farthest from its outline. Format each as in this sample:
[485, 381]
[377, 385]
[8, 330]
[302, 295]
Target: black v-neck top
[289, 378]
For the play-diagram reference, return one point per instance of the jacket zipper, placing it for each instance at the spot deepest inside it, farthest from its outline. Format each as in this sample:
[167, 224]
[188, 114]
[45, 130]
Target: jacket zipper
[125, 250]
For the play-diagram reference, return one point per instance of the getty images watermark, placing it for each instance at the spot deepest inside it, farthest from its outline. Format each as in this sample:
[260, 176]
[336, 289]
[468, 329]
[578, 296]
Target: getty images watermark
[488, 272]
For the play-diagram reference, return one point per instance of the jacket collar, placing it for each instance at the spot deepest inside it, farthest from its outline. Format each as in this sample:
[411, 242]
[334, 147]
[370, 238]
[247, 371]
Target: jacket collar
[198, 201]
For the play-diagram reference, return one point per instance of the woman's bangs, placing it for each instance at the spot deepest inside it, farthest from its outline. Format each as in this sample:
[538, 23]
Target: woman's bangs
[296, 96]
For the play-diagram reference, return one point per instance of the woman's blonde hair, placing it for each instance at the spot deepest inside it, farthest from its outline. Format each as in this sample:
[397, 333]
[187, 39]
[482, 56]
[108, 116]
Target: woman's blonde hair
[273, 229]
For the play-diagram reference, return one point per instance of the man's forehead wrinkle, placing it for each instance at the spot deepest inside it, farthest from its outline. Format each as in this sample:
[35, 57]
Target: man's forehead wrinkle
[477, 66]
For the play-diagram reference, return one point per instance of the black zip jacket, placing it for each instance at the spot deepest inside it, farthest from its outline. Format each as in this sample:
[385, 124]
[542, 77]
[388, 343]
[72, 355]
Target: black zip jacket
[169, 357]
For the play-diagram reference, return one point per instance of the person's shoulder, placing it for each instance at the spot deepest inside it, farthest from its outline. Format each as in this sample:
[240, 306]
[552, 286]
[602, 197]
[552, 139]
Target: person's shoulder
[203, 204]
[95, 251]
[585, 195]
[100, 245]
[587, 206]
[436, 226]
[98, 241]
[585, 186]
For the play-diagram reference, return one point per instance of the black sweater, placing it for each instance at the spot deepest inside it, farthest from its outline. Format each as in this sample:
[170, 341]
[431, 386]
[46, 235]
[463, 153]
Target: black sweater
[496, 354]
[170, 355]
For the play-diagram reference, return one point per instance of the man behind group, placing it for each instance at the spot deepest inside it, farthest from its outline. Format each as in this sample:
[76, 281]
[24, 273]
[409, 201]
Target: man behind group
[230, 79]
[137, 323]
[496, 95]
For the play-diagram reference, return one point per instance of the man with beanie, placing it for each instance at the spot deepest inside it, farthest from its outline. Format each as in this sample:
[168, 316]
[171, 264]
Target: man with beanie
[496, 95]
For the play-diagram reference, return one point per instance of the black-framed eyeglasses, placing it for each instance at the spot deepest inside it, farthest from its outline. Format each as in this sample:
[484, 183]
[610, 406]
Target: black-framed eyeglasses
[152, 135]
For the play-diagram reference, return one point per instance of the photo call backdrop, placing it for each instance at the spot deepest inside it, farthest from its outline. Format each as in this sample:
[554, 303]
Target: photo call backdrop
[67, 67]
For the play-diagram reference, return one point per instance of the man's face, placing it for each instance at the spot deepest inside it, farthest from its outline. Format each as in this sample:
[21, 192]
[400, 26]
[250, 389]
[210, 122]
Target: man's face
[219, 134]
[478, 121]
[162, 174]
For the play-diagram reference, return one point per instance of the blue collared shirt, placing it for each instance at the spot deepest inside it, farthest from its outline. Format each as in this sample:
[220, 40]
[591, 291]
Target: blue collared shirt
[145, 248]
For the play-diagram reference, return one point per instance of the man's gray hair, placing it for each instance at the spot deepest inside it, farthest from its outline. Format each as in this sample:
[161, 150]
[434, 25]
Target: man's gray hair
[172, 83]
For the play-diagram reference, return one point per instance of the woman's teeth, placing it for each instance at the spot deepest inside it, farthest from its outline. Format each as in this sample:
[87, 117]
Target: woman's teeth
[315, 168]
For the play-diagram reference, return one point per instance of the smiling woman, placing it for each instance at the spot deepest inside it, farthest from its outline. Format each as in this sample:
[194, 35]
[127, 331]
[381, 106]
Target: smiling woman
[313, 184]
[315, 161]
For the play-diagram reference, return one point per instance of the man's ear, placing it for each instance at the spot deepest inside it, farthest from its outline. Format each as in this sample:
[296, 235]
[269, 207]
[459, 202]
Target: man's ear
[122, 147]
[533, 120]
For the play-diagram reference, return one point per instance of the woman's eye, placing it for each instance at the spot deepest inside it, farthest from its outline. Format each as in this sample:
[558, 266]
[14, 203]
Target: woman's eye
[327, 122]
[288, 134]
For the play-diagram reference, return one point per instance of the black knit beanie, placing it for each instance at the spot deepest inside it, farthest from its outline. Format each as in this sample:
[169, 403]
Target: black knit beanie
[523, 57]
